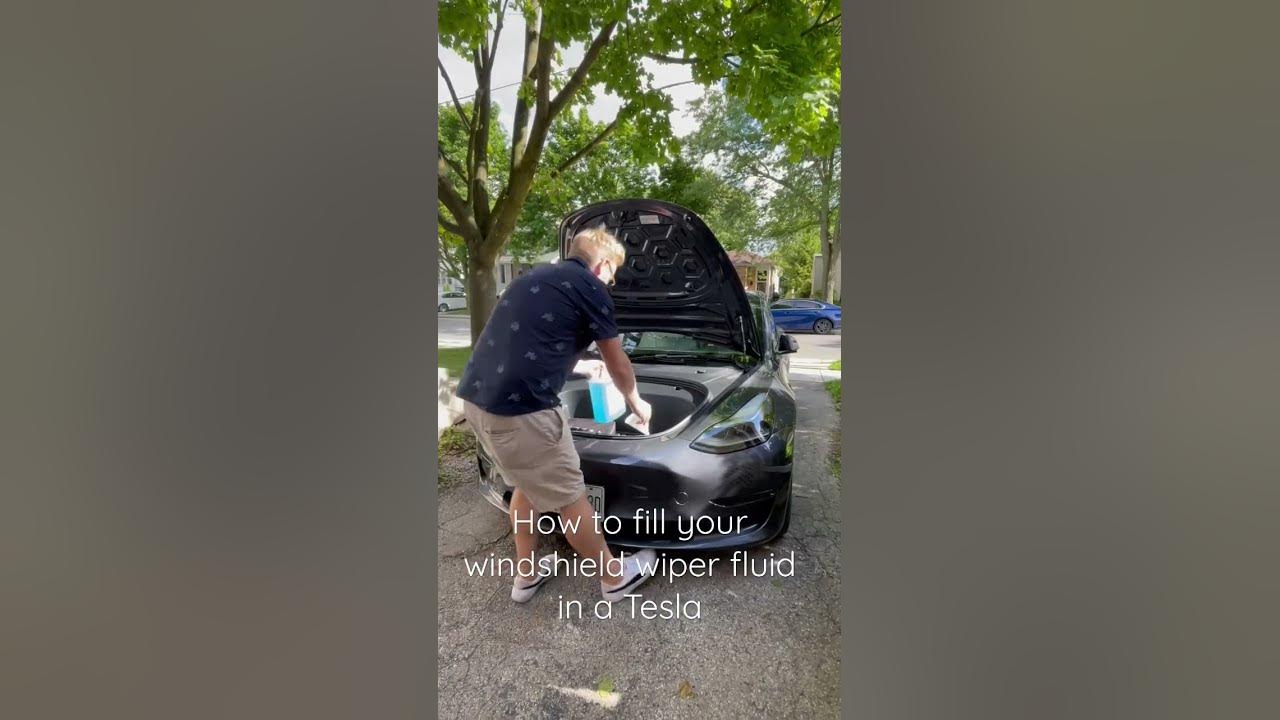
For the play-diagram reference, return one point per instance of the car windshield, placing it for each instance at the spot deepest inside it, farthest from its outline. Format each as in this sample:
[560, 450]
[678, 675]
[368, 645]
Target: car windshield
[650, 342]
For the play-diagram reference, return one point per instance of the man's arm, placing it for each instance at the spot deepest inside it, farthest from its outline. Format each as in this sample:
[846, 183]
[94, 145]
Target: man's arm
[623, 375]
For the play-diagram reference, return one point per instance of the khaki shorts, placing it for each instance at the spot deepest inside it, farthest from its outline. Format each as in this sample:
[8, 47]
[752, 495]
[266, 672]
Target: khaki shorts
[534, 452]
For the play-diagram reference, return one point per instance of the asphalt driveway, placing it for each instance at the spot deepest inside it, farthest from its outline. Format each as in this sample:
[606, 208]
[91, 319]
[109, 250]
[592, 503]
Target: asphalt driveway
[763, 647]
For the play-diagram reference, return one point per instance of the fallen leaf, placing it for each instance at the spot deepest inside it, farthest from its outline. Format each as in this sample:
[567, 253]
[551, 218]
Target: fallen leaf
[777, 583]
[685, 691]
[605, 686]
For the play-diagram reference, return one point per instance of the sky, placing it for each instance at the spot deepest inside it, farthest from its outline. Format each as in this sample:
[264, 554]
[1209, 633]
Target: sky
[509, 63]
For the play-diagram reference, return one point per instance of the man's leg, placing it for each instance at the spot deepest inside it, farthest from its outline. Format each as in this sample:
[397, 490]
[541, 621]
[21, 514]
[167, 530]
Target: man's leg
[525, 535]
[588, 541]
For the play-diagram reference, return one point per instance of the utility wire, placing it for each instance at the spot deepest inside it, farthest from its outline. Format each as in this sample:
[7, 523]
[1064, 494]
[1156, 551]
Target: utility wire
[501, 87]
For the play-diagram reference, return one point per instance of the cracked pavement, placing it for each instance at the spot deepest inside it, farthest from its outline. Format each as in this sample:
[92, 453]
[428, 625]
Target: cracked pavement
[763, 647]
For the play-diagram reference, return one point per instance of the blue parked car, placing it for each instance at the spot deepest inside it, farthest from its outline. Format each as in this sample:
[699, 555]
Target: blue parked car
[806, 315]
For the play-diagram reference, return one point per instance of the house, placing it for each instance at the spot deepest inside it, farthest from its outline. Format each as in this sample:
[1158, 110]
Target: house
[756, 272]
[446, 284]
[509, 268]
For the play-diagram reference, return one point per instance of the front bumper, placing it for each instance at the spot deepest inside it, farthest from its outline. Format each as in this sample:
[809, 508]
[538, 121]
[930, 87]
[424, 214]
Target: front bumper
[743, 495]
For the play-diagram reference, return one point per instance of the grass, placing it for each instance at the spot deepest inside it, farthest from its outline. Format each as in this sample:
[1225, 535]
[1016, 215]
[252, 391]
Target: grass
[456, 441]
[456, 457]
[834, 366]
[833, 387]
[454, 360]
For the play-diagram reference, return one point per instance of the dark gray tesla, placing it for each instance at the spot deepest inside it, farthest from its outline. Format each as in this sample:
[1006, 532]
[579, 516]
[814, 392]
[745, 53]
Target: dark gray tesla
[709, 359]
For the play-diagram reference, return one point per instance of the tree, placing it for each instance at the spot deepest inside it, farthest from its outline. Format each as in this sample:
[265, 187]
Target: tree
[795, 262]
[773, 55]
[453, 138]
[805, 191]
[731, 211]
[453, 255]
[610, 171]
[808, 199]
[483, 217]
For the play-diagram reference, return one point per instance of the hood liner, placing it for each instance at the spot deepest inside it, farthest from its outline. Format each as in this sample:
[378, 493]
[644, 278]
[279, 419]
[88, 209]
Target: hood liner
[676, 278]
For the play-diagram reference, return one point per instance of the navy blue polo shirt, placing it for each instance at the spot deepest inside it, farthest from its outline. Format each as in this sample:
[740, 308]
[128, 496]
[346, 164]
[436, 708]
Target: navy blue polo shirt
[543, 322]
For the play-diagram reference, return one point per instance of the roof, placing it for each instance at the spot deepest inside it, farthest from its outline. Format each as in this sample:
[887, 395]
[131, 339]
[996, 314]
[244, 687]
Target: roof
[743, 258]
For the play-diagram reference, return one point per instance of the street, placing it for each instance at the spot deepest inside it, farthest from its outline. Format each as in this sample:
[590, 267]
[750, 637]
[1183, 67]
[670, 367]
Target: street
[761, 646]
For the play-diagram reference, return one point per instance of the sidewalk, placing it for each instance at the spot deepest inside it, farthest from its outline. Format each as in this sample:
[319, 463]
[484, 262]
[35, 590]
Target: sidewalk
[813, 367]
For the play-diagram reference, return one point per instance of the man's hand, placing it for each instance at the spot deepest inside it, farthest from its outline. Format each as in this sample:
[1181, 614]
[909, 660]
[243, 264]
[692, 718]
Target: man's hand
[643, 410]
[624, 376]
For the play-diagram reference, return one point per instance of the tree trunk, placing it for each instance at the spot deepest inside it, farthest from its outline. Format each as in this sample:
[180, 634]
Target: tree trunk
[833, 272]
[482, 291]
[824, 243]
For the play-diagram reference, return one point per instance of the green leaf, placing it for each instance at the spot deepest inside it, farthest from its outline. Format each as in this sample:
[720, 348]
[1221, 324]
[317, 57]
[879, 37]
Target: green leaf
[774, 105]
[605, 686]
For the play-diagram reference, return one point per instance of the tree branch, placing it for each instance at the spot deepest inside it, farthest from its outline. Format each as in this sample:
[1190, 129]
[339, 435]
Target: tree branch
[818, 17]
[824, 23]
[526, 145]
[457, 207]
[579, 76]
[755, 170]
[520, 126]
[497, 32]
[455, 229]
[589, 146]
[542, 66]
[453, 164]
[478, 168]
[466, 122]
[673, 60]
[781, 229]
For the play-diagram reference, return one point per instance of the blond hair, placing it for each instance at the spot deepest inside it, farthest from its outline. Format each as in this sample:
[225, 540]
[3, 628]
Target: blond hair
[597, 244]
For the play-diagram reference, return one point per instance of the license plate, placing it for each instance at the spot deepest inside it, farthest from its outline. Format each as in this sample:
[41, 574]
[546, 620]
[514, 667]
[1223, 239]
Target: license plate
[595, 496]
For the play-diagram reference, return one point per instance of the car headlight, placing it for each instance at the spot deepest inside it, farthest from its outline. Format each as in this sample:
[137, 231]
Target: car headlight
[750, 425]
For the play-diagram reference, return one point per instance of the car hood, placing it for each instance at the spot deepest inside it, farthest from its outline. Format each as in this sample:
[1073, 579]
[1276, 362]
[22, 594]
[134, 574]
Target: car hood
[676, 278]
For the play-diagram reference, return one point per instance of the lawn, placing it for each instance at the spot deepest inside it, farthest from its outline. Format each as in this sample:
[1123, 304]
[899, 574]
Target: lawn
[833, 387]
[834, 366]
[454, 360]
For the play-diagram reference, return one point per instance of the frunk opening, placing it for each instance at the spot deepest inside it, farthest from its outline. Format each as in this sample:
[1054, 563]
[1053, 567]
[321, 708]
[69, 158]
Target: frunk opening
[672, 402]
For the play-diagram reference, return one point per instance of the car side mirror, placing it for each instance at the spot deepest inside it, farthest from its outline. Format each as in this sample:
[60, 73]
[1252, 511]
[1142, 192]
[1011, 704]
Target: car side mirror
[788, 344]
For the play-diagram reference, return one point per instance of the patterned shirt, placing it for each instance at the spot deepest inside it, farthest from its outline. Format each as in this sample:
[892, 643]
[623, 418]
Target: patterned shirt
[542, 323]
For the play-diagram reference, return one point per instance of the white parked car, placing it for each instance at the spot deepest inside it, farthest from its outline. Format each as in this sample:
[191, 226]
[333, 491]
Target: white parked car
[452, 301]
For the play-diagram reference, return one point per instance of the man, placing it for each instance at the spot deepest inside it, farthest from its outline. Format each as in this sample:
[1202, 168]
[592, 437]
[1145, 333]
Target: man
[511, 389]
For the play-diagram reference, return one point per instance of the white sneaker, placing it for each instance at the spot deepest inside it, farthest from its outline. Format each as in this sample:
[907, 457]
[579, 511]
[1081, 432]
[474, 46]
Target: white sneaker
[520, 592]
[636, 568]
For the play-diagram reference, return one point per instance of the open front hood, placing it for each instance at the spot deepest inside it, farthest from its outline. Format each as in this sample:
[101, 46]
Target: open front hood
[677, 277]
